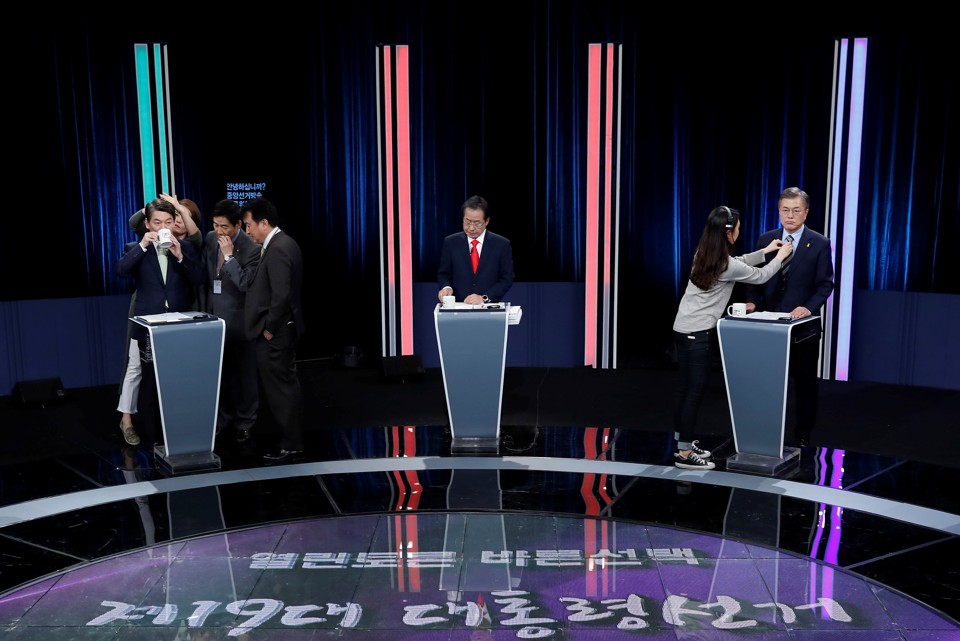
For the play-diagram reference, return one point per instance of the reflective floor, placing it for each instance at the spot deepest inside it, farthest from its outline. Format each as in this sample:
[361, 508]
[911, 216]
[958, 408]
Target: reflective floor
[576, 526]
[567, 533]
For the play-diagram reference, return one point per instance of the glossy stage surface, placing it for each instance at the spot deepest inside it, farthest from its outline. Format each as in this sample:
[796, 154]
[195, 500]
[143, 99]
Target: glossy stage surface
[569, 532]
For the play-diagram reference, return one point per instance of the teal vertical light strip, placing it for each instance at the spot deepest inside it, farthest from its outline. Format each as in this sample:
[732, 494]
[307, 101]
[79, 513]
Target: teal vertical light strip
[161, 120]
[144, 105]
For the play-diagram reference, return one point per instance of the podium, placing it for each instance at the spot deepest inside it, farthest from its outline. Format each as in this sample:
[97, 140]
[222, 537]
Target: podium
[756, 365]
[472, 341]
[187, 357]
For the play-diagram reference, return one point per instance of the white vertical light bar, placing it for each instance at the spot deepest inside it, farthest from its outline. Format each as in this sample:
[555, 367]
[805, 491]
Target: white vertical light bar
[169, 123]
[161, 117]
[616, 236]
[831, 215]
[850, 205]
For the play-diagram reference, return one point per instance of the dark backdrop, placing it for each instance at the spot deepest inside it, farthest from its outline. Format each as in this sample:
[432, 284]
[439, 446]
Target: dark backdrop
[714, 112]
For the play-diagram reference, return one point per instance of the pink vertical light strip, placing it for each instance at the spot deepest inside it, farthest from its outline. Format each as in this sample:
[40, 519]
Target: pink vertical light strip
[592, 213]
[403, 191]
[388, 179]
[607, 207]
[832, 553]
[851, 202]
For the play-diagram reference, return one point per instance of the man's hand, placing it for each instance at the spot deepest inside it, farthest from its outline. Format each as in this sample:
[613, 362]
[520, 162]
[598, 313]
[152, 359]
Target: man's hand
[149, 237]
[267, 335]
[226, 245]
[751, 308]
[175, 248]
[800, 312]
[474, 299]
[446, 291]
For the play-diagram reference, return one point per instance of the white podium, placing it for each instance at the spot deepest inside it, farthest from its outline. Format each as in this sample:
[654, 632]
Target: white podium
[187, 358]
[472, 341]
[756, 364]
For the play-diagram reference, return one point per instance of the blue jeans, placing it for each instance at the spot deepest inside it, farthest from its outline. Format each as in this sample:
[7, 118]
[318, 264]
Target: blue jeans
[694, 359]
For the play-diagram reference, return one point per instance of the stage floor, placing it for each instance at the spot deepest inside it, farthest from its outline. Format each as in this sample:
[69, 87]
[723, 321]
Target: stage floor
[571, 532]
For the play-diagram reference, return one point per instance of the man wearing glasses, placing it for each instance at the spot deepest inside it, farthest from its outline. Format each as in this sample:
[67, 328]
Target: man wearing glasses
[476, 265]
[800, 288]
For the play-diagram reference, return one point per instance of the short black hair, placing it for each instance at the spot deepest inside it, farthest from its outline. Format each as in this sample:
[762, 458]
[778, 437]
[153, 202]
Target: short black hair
[228, 209]
[476, 202]
[159, 204]
[794, 192]
[261, 209]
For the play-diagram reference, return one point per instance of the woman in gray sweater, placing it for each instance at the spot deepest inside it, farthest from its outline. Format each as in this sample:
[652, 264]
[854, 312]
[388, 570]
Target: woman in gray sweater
[712, 277]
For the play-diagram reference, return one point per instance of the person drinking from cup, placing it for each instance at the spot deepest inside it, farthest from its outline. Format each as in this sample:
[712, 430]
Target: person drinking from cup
[712, 277]
[166, 280]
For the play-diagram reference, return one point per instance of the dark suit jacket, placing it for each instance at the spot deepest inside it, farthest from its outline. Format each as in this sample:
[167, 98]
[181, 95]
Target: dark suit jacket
[273, 296]
[234, 277]
[180, 289]
[810, 280]
[494, 273]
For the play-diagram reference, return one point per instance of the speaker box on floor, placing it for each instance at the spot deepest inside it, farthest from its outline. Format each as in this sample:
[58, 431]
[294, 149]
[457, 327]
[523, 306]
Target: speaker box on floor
[401, 368]
[42, 391]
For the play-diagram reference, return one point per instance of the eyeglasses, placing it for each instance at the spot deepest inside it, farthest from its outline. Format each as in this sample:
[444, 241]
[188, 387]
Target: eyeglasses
[474, 224]
[796, 211]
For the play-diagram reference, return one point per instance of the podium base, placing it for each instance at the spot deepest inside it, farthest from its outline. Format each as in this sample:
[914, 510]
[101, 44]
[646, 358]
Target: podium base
[180, 463]
[476, 445]
[763, 464]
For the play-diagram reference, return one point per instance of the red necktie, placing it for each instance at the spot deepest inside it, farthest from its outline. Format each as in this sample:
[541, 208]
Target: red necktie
[474, 255]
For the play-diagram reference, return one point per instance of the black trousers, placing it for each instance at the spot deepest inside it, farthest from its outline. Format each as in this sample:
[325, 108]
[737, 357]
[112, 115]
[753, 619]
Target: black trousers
[239, 396]
[804, 357]
[280, 392]
[694, 362]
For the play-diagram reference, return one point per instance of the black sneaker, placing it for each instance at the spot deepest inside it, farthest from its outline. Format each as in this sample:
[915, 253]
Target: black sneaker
[699, 451]
[692, 462]
[283, 456]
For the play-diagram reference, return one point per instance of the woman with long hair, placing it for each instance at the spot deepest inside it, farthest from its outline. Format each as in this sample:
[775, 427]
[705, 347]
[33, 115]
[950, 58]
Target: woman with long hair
[712, 277]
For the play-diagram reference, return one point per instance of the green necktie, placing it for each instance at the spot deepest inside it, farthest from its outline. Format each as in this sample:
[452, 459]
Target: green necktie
[162, 257]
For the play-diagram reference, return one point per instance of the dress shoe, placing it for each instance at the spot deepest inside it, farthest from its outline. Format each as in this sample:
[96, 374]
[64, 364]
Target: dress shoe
[130, 435]
[242, 436]
[283, 456]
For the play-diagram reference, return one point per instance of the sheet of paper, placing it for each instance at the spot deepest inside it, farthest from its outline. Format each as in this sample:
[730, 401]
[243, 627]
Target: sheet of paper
[168, 317]
[769, 316]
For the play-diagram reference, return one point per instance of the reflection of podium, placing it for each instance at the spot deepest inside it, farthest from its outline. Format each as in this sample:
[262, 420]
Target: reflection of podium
[473, 349]
[756, 364]
[187, 355]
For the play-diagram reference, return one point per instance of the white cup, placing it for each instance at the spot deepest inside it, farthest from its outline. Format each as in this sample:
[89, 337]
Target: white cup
[448, 301]
[164, 241]
[737, 309]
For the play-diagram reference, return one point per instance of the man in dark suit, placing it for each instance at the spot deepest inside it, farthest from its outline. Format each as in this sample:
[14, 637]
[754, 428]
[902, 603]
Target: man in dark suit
[231, 257]
[166, 281]
[476, 265]
[801, 287]
[273, 318]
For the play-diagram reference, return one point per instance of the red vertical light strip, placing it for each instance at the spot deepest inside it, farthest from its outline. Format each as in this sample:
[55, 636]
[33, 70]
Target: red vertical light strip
[398, 519]
[398, 543]
[413, 545]
[403, 203]
[397, 476]
[602, 489]
[592, 191]
[593, 508]
[607, 203]
[605, 540]
[586, 486]
[389, 180]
